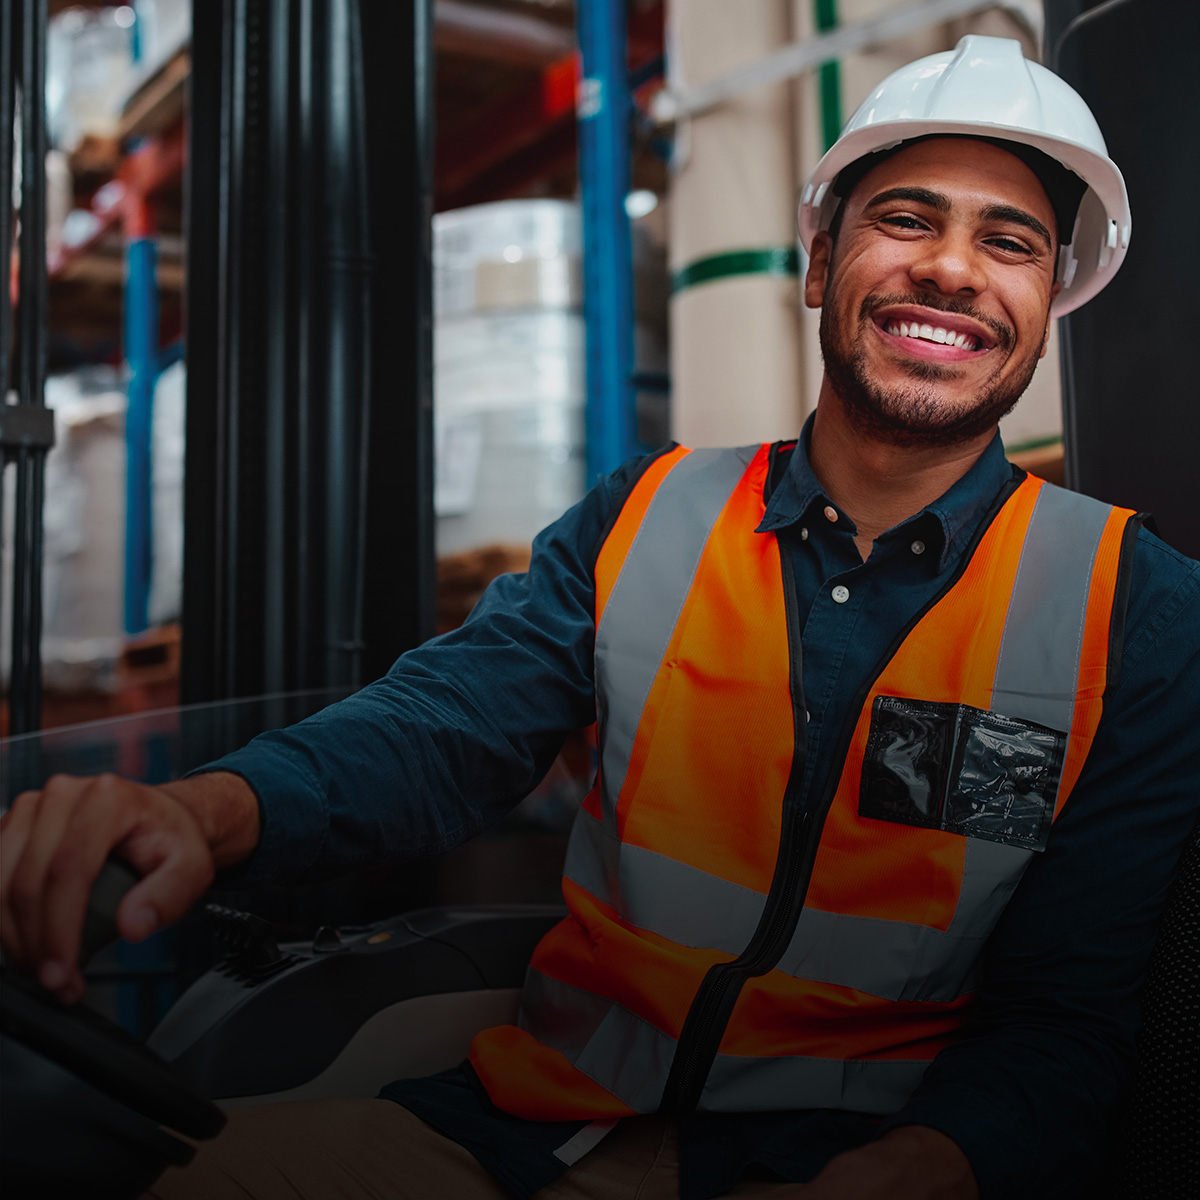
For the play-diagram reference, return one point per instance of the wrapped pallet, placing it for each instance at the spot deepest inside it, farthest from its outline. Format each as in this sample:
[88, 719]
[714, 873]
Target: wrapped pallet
[509, 373]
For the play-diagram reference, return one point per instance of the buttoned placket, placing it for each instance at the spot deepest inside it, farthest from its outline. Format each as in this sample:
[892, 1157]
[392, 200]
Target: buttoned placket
[825, 538]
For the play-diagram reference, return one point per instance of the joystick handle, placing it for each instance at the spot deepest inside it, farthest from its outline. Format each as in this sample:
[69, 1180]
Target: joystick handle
[100, 919]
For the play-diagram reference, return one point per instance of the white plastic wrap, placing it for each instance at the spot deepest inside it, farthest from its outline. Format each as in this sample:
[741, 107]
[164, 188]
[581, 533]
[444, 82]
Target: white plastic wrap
[166, 561]
[509, 399]
[84, 520]
[509, 377]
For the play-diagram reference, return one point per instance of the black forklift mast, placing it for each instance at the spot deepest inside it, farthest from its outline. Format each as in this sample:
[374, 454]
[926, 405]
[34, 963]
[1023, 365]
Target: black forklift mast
[308, 542]
[308, 548]
[1131, 420]
[26, 427]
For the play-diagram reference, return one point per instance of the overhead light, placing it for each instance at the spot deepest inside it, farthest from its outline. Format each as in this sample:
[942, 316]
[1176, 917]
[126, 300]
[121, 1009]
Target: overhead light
[640, 202]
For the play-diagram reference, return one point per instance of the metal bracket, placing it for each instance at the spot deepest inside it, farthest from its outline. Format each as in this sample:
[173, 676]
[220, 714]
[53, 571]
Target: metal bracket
[799, 57]
[26, 426]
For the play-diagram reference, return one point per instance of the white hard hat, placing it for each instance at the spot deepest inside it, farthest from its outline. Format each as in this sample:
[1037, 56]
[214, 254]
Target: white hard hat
[985, 87]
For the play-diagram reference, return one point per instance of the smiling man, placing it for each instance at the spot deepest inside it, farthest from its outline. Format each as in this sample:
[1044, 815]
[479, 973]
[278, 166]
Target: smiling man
[958, 274]
[897, 754]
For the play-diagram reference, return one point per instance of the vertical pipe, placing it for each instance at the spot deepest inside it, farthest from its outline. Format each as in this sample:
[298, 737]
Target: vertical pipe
[303, 494]
[232, 217]
[348, 273]
[204, 473]
[279, 350]
[829, 76]
[26, 692]
[399, 596]
[605, 105]
[141, 355]
[9, 34]
[734, 332]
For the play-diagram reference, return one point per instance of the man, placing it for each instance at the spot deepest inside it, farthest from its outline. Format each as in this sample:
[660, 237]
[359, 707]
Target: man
[896, 757]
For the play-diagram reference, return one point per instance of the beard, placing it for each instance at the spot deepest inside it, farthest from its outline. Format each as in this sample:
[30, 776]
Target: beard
[918, 415]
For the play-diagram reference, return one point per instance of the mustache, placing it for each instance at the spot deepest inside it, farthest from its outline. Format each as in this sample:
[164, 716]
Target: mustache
[1004, 335]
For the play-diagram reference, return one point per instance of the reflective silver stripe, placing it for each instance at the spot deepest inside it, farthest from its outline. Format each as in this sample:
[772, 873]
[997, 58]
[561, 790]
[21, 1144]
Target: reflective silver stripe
[654, 892]
[991, 872]
[588, 1138]
[628, 1057]
[624, 1054]
[896, 960]
[1038, 664]
[649, 594]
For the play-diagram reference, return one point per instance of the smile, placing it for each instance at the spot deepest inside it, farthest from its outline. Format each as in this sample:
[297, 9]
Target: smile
[920, 332]
[932, 333]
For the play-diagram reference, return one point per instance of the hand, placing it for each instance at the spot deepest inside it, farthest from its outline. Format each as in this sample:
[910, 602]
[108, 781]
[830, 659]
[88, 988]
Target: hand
[913, 1162]
[54, 842]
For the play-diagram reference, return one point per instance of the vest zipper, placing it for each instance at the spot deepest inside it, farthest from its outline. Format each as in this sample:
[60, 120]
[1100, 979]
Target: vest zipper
[800, 836]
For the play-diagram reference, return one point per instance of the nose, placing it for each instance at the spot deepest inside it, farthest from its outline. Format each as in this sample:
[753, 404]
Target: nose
[950, 264]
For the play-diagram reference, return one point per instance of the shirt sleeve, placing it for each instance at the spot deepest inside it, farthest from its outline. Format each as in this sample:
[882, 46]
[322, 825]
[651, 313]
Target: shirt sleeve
[1028, 1091]
[457, 732]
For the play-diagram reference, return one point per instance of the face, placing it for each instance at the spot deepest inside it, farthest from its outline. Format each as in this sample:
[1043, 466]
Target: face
[936, 298]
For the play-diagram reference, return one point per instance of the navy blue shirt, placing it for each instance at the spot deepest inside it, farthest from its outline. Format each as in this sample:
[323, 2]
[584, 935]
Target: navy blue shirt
[463, 727]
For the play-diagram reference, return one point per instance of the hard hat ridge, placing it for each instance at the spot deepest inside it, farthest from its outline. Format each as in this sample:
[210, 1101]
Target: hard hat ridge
[986, 88]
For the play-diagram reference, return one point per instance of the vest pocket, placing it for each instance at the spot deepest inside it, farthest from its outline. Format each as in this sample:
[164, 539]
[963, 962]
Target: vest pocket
[961, 769]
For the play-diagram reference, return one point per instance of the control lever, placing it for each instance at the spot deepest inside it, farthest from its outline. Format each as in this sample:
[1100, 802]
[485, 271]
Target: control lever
[100, 920]
[253, 954]
[91, 1047]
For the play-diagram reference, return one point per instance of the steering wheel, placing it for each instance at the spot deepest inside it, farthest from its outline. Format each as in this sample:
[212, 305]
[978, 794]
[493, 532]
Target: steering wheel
[112, 1065]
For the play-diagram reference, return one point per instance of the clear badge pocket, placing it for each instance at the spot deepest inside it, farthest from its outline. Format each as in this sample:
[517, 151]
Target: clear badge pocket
[961, 769]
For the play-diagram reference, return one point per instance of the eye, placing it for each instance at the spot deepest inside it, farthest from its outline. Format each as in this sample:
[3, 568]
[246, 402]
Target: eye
[1010, 245]
[903, 221]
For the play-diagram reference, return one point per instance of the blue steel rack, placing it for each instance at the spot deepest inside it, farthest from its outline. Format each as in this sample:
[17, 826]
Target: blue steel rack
[605, 106]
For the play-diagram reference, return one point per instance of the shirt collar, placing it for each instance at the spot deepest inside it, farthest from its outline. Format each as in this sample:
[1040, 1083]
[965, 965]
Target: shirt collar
[957, 511]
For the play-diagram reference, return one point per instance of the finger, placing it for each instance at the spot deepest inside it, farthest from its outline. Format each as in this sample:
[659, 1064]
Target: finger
[15, 825]
[105, 810]
[27, 885]
[178, 870]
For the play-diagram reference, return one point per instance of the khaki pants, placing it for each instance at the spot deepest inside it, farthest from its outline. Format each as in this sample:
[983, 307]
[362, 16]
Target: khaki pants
[376, 1150]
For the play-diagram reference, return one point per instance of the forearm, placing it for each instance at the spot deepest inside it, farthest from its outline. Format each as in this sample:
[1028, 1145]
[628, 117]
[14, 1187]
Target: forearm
[459, 730]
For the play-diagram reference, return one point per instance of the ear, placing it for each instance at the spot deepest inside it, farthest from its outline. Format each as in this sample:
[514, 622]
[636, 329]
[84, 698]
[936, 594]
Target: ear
[818, 270]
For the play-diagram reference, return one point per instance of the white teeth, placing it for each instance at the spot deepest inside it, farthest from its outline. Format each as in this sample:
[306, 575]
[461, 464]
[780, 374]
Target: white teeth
[931, 334]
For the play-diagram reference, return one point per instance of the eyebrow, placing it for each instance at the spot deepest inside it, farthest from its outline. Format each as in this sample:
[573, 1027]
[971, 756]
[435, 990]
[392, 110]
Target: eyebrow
[940, 203]
[1017, 216]
[918, 195]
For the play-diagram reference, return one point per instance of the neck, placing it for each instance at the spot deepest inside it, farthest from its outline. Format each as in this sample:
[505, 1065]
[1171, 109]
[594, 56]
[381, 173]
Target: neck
[876, 483]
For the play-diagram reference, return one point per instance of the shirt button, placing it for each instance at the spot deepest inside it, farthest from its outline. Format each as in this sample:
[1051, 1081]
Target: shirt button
[840, 594]
[918, 547]
[804, 533]
[830, 513]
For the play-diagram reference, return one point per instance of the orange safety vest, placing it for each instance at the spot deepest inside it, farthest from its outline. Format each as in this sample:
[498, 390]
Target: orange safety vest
[731, 948]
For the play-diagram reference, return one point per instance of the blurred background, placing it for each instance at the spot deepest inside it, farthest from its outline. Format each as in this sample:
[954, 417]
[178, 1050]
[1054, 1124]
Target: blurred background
[342, 305]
